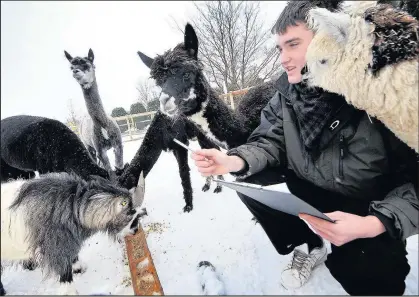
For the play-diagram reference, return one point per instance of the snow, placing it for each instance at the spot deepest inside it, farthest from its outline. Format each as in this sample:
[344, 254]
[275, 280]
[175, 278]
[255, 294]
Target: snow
[219, 229]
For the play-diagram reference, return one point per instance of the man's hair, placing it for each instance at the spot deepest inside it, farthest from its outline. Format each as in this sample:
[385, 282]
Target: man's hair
[296, 12]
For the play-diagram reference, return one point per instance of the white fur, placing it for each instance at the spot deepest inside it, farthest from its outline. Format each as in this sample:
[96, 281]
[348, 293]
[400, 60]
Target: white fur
[105, 133]
[87, 79]
[346, 43]
[199, 119]
[14, 245]
[67, 289]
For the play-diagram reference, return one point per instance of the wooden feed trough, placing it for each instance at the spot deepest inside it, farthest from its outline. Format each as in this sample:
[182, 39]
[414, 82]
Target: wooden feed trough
[145, 280]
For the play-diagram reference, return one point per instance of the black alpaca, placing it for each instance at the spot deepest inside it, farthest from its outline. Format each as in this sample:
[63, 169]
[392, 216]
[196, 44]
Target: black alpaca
[159, 137]
[185, 91]
[32, 143]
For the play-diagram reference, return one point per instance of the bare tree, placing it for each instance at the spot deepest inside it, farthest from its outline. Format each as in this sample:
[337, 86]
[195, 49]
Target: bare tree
[233, 43]
[147, 92]
[73, 116]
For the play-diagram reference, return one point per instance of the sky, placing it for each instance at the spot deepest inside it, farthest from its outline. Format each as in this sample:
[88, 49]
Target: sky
[35, 75]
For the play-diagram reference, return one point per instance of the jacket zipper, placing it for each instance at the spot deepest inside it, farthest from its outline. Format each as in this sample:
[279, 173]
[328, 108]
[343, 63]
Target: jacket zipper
[341, 154]
[305, 162]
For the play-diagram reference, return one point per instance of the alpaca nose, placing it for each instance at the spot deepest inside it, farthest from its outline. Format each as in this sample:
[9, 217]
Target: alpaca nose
[75, 70]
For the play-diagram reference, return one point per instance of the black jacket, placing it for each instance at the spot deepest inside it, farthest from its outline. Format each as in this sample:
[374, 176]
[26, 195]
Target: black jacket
[357, 157]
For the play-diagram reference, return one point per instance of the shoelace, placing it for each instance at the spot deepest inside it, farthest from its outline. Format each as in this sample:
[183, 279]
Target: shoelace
[299, 262]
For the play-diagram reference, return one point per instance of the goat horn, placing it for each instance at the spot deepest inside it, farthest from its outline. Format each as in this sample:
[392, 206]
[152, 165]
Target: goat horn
[138, 196]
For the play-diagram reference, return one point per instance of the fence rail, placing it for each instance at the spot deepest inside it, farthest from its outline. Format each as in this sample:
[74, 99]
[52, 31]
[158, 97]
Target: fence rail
[132, 125]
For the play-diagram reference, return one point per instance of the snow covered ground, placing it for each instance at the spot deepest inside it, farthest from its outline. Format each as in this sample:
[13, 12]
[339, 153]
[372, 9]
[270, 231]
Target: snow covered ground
[218, 230]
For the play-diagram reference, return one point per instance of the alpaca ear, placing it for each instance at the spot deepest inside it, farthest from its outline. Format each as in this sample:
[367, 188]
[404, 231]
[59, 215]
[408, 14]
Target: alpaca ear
[146, 59]
[191, 41]
[333, 24]
[68, 56]
[90, 55]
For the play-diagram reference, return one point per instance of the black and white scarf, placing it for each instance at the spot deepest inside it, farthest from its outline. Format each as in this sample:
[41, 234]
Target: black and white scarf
[313, 108]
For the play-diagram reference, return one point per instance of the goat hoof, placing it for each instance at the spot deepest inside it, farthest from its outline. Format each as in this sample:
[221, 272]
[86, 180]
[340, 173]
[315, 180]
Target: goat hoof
[218, 189]
[187, 208]
[79, 268]
[2, 292]
[205, 188]
[29, 265]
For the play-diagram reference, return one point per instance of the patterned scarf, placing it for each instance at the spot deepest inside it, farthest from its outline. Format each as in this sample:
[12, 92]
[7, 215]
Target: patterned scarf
[313, 109]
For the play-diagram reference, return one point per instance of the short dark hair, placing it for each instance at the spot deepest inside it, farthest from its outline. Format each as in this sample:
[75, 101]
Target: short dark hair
[296, 12]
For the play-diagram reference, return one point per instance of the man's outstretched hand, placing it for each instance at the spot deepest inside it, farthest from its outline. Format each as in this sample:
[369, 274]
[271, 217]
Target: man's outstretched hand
[347, 227]
[215, 162]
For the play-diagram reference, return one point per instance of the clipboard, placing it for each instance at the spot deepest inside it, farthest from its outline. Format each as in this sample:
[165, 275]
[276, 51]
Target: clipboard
[282, 201]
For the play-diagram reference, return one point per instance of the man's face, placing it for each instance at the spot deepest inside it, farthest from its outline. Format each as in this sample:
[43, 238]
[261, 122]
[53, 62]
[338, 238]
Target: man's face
[292, 46]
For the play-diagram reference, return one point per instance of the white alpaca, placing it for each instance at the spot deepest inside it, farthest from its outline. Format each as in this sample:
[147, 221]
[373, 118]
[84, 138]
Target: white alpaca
[348, 56]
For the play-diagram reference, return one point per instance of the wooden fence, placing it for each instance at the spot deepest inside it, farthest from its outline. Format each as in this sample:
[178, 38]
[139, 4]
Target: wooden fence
[132, 126]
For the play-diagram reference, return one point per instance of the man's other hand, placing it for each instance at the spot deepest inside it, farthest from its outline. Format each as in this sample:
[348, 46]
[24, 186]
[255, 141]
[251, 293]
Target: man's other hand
[347, 227]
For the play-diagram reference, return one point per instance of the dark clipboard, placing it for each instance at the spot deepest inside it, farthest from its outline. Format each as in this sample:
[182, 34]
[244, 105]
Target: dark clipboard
[282, 201]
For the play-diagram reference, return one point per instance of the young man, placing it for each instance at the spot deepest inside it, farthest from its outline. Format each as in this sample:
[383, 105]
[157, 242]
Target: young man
[340, 161]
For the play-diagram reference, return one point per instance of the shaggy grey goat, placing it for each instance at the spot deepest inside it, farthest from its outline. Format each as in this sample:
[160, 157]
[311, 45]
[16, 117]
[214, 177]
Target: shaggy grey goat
[47, 219]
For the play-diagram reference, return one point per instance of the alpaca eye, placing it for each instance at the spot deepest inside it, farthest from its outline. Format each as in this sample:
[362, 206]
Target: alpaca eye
[124, 203]
[323, 61]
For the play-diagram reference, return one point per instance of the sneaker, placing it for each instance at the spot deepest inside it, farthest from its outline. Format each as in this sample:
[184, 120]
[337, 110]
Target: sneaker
[298, 271]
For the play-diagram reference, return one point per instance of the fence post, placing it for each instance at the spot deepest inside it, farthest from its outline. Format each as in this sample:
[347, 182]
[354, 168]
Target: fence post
[129, 128]
[230, 94]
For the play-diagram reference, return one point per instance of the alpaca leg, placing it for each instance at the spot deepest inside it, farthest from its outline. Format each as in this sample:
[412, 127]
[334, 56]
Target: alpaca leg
[119, 153]
[66, 282]
[184, 171]
[92, 153]
[205, 143]
[2, 290]
[103, 158]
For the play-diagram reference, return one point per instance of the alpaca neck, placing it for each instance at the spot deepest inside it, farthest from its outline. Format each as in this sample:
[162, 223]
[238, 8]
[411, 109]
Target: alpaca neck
[222, 124]
[94, 105]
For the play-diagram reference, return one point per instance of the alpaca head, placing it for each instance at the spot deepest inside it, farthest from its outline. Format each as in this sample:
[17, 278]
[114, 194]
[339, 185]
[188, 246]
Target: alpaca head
[339, 50]
[83, 69]
[179, 75]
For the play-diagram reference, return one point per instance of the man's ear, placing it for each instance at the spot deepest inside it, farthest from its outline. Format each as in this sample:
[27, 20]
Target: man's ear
[335, 25]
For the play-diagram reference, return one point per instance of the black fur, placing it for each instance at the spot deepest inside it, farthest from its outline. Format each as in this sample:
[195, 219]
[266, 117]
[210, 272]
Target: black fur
[396, 34]
[158, 138]
[31, 143]
[179, 70]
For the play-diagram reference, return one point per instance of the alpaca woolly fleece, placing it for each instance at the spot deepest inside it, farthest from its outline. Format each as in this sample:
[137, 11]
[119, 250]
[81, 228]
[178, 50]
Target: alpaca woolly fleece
[33, 143]
[356, 58]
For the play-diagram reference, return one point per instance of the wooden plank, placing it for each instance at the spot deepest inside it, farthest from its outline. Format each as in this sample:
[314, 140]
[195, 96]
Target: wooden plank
[145, 280]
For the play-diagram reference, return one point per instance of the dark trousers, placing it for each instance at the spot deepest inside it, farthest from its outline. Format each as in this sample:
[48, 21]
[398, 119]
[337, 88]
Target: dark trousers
[370, 266]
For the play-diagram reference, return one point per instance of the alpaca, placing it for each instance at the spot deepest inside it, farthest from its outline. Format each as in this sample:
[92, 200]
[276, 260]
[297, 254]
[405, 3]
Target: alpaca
[185, 91]
[369, 54]
[8, 172]
[99, 132]
[158, 138]
[32, 143]
[48, 219]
